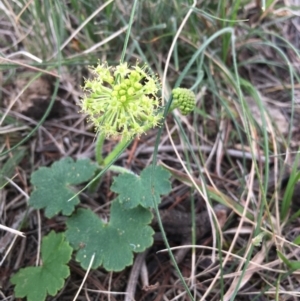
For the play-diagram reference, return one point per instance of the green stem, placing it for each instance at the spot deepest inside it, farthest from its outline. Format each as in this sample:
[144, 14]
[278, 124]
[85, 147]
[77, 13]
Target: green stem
[120, 170]
[108, 160]
[99, 149]
[99, 159]
[118, 147]
[165, 239]
[116, 151]
[159, 221]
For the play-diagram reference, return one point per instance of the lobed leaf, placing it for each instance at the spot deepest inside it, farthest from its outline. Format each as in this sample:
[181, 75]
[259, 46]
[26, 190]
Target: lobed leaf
[113, 242]
[36, 282]
[53, 185]
[142, 190]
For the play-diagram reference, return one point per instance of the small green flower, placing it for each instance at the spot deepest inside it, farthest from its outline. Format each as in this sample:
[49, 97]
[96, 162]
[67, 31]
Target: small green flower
[257, 240]
[184, 100]
[118, 103]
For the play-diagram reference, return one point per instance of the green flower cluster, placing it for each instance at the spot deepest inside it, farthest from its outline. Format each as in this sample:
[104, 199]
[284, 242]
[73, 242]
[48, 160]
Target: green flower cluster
[121, 101]
[183, 99]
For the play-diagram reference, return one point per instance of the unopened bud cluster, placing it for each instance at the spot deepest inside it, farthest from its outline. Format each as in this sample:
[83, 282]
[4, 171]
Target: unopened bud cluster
[183, 99]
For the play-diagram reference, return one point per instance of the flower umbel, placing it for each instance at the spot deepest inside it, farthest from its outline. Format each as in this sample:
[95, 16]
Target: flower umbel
[121, 100]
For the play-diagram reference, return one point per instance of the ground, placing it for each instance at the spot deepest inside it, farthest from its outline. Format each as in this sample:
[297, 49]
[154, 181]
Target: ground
[235, 155]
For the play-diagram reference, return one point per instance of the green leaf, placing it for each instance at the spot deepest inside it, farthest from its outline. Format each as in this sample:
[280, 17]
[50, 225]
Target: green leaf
[289, 191]
[144, 189]
[52, 185]
[292, 264]
[297, 240]
[36, 282]
[283, 258]
[112, 242]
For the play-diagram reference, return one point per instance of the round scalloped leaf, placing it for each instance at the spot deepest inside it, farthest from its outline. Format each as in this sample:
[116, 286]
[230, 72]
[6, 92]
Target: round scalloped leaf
[113, 243]
[144, 189]
[53, 185]
[36, 282]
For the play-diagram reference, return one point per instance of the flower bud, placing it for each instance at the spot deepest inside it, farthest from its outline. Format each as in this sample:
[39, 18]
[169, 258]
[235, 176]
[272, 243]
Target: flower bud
[183, 99]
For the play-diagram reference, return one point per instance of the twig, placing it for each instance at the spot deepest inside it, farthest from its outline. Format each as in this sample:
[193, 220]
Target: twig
[135, 272]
